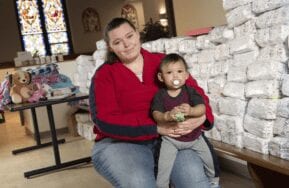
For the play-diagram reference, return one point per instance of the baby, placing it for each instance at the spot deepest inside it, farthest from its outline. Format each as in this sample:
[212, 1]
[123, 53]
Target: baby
[175, 103]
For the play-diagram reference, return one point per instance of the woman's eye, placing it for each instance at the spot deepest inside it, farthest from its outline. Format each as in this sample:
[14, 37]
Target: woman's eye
[130, 36]
[116, 43]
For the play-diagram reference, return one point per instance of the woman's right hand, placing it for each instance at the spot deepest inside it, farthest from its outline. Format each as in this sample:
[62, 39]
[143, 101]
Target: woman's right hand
[175, 129]
[168, 129]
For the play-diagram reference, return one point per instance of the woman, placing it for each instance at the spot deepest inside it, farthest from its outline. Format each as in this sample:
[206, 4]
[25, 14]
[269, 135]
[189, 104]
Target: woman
[122, 92]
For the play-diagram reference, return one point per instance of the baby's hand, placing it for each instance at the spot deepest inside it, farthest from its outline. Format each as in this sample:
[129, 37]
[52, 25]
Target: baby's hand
[178, 115]
[185, 109]
[171, 115]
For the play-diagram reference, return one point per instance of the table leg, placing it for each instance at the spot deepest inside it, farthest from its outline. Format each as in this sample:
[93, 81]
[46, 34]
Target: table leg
[35, 125]
[266, 178]
[53, 134]
[21, 115]
[56, 167]
[58, 164]
[254, 175]
[36, 136]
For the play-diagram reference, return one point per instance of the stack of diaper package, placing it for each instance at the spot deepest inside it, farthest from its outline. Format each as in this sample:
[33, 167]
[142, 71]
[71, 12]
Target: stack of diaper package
[243, 68]
[84, 126]
[86, 66]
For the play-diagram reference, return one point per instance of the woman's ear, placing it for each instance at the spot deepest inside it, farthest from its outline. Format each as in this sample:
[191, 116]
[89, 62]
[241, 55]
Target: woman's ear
[160, 77]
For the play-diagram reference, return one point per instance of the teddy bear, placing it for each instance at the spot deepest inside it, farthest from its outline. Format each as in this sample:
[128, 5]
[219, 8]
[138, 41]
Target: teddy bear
[21, 88]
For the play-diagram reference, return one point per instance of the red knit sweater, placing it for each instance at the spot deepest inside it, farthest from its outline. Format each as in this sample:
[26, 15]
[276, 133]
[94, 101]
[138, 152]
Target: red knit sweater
[120, 103]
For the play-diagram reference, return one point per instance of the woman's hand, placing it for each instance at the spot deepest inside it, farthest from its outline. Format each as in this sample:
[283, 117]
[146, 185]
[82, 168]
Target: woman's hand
[189, 125]
[167, 129]
[182, 128]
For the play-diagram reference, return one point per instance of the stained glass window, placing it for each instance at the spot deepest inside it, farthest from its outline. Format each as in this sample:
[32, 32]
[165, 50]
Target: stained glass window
[43, 27]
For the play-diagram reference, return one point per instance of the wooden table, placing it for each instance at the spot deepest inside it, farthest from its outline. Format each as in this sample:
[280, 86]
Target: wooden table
[48, 104]
[266, 171]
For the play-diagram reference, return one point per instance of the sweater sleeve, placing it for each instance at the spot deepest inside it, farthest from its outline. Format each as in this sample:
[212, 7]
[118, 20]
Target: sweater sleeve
[110, 121]
[208, 124]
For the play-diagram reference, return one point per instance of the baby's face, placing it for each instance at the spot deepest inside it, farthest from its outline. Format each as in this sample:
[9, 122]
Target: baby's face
[174, 75]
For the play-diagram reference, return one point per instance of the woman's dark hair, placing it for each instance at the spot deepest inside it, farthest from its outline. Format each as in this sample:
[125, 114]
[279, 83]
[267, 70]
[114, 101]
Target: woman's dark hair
[172, 58]
[114, 23]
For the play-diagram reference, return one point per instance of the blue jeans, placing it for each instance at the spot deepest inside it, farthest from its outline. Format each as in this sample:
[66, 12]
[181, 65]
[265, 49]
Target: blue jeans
[131, 165]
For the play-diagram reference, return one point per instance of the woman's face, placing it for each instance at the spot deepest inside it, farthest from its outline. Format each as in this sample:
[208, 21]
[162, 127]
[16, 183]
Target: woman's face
[124, 41]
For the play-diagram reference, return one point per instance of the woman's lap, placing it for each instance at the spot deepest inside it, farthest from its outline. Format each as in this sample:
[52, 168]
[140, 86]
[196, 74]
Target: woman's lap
[125, 165]
[132, 165]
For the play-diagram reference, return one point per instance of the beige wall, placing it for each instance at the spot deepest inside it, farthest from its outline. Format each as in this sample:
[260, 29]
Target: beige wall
[152, 9]
[140, 13]
[82, 41]
[9, 38]
[193, 14]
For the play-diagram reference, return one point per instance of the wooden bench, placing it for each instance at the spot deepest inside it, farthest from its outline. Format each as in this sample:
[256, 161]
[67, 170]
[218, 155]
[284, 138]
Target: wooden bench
[265, 170]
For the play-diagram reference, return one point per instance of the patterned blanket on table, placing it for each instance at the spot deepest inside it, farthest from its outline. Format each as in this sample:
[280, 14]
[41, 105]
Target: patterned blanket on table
[46, 74]
[49, 74]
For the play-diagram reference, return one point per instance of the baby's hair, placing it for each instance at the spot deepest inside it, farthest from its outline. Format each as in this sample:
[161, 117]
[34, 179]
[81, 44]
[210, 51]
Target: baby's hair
[172, 58]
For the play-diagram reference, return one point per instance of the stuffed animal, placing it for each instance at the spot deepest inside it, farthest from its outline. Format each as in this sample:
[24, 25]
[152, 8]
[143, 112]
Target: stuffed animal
[40, 93]
[21, 87]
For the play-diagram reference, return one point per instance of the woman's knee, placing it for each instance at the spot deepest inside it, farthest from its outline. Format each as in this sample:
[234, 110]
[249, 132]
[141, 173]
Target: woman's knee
[188, 170]
[141, 179]
[125, 165]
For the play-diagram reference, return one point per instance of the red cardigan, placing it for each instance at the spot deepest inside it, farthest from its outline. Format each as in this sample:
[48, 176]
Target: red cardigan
[120, 102]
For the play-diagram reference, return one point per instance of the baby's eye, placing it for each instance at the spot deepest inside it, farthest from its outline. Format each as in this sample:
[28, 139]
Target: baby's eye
[169, 72]
[116, 42]
[180, 71]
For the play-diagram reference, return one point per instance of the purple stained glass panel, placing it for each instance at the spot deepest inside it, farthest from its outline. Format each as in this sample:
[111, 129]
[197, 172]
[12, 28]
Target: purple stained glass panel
[33, 32]
[54, 17]
[29, 16]
[30, 26]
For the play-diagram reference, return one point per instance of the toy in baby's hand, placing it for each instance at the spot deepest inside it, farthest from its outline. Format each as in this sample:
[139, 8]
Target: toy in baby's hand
[180, 117]
[21, 87]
